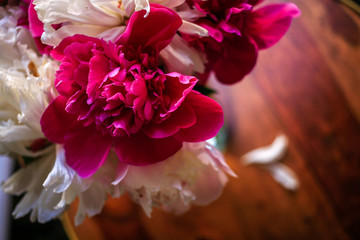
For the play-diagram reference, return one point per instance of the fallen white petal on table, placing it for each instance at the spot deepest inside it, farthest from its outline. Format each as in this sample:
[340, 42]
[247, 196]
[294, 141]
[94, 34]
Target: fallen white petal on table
[268, 158]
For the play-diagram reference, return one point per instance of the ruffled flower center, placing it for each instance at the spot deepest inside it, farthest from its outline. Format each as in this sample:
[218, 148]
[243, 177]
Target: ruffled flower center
[118, 90]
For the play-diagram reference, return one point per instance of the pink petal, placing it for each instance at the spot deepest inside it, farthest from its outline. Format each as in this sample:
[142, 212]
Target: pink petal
[138, 86]
[148, 110]
[76, 104]
[80, 52]
[237, 60]
[99, 69]
[58, 52]
[86, 149]
[81, 74]
[267, 25]
[229, 28]
[55, 122]
[236, 10]
[209, 118]
[177, 86]
[141, 150]
[255, 2]
[64, 81]
[36, 27]
[183, 117]
[128, 122]
[153, 32]
[212, 29]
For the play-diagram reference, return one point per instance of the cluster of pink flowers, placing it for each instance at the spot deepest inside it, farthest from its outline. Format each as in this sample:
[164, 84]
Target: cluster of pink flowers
[236, 32]
[118, 99]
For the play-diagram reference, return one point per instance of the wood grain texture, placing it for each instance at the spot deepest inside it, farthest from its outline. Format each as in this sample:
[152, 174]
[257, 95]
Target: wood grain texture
[307, 87]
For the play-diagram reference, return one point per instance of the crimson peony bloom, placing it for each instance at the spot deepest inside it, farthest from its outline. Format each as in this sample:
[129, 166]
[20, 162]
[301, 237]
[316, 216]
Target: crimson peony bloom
[31, 21]
[237, 32]
[114, 96]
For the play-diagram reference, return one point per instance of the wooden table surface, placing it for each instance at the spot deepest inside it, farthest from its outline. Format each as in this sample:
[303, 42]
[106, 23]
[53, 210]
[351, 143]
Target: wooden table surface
[307, 87]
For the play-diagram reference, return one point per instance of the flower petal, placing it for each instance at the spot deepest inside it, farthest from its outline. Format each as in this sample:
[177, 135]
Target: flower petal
[152, 150]
[237, 60]
[91, 202]
[209, 118]
[86, 150]
[153, 32]
[181, 58]
[61, 176]
[267, 154]
[183, 117]
[58, 52]
[284, 176]
[35, 25]
[55, 122]
[267, 25]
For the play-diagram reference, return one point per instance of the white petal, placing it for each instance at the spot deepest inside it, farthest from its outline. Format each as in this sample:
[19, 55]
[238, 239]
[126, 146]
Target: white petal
[189, 14]
[284, 176]
[61, 176]
[17, 133]
[144, 199]
[36, 199]
[112, 34]
[129, 6]
[29, 177]
[78, 17]
[27, 203]
[219, 160]
[142, 5]
[45, 209]
[193, 175]
[179, 57]
[91, 202]
[77, 11]
[78, 186]
[193, 29]
[53, 38]
[168, 3]
[21, 148]
[268, 154]
[208, 186]
[24, 95]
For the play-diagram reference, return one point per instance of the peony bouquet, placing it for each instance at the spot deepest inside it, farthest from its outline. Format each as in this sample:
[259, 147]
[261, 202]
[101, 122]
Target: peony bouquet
[99, 98]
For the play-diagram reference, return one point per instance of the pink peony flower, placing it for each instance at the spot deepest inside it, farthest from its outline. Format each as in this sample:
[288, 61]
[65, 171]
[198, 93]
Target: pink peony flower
[31, 21]
[113, 95]
[36, 28]
[237, 32]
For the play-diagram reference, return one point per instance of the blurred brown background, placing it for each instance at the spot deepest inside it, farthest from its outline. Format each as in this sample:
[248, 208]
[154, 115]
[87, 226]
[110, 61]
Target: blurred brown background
[307, 87]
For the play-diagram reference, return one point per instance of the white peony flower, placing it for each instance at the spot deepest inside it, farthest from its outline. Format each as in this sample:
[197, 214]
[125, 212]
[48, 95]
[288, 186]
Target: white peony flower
[194, 175]
[26, 82]
[89, 17]
[29, 179]
[50, 185]
[106, 19]
[26, 86]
